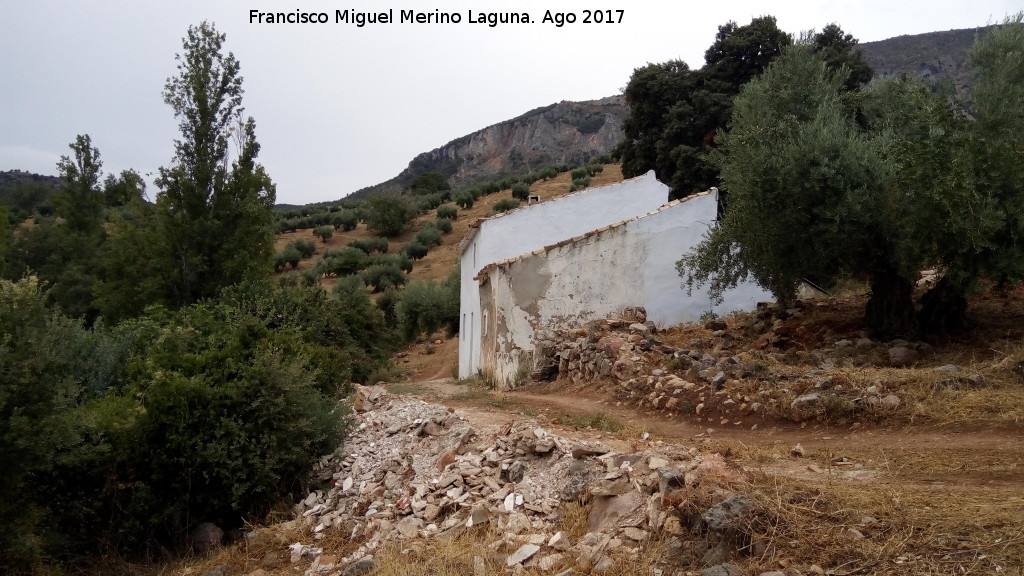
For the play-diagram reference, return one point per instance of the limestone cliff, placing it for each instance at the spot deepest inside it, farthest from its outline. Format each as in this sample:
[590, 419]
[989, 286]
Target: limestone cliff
[570, 132]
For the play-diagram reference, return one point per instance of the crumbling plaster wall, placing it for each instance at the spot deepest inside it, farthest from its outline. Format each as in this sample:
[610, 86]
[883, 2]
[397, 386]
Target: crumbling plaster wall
[534, 227]
[598, 275]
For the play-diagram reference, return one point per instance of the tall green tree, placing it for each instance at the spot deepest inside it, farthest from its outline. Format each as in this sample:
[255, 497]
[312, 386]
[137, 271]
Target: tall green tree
[826, 182]
[62, 252]
[120, 190]
[215, 201]
[428, 183]
[388, 215]
[675, 112]
[80, 200]
[134, 263]
[840, 49]
[809, 195]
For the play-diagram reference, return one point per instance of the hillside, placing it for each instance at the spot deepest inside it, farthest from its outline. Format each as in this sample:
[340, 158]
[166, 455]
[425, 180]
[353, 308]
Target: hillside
[440, 260]
[936, 56]
[25, 193]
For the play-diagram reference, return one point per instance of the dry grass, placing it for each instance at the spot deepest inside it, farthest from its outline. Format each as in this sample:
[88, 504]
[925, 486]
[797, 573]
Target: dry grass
[901, 527]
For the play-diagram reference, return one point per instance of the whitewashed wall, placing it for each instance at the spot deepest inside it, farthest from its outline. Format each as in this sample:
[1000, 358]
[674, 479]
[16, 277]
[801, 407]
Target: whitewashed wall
[533, 227]
[632, 264]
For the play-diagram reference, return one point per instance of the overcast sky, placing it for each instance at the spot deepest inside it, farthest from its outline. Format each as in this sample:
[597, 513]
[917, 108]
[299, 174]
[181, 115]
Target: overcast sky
[339, 107]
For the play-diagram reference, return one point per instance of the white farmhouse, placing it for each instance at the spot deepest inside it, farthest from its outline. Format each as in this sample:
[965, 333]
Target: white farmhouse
[536, 226]
[589, 255]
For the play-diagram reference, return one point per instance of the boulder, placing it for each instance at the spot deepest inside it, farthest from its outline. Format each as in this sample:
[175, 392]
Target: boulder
[729, 514]
[206, 537]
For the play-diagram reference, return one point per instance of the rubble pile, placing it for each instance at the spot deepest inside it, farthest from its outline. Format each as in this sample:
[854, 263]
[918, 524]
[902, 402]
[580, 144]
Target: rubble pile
[415, 470]
[734, 374]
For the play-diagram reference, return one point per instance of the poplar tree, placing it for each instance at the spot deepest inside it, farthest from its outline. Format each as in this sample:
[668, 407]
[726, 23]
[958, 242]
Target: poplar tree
[215, 200]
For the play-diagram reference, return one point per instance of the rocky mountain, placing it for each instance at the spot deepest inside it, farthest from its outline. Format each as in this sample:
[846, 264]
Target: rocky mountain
[935, 56]
[569, 132]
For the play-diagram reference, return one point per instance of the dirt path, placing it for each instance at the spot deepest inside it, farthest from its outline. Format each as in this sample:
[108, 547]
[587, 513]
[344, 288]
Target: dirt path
[923, 456]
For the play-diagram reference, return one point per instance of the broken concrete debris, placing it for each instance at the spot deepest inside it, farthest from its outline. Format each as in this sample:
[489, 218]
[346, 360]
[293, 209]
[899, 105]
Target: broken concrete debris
[418, 470]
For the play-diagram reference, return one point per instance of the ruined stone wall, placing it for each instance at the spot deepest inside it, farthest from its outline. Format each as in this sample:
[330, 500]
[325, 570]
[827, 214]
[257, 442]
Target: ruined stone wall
[531, 228]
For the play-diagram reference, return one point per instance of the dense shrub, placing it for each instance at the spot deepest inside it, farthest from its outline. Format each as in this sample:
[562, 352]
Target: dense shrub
[489, 187]
[521, 190]
[289, 256]
[423, 307]
[431, 201]
[323, 232]
[506, 204]
[290, 278]
[305, 247]
[444, 225]
[447, 211]
[383, 276]
[343, 262]
[429, 236]
[580, 183]
[402, 261]
[415, 250]
[388, 215]
[125, 438]
[345, 220]
[465, 199]
[370, 245]
[548, 172]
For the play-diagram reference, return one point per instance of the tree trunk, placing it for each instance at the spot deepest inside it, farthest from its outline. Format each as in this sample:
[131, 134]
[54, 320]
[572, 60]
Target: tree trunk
[890, 310]
[943, 311]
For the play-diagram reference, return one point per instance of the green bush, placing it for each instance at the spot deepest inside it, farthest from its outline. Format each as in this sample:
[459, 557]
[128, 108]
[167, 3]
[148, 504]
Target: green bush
[447, 211]
[311, 276]
[386, 303]
[444, 225]
[580, 183]
[232, 417]
[424, 307]
[521, 190]
[415, 250]
[489, 187]
[402, 261]
[506, 204]
[429, 236]
[431, 201]
[370, 245]
[580, 172]
[548, 172]
[323, 232]
[388, 215]
[305, 247]
[345, 220]
[465, 199]
[343, 262]
[383, 276]
[290, 278]
[289, 256]
[124, 439]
